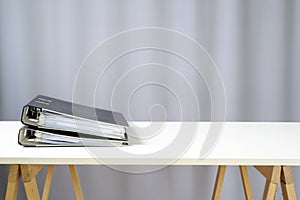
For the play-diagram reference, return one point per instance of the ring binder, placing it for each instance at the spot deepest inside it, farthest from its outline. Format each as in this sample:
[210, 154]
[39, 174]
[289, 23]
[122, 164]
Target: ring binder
[49, 121]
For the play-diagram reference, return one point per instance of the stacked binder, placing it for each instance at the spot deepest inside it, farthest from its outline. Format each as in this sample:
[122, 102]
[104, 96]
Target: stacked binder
[53, 122]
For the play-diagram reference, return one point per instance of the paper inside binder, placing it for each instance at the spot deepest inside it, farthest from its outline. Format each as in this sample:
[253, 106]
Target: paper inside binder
[60, 122]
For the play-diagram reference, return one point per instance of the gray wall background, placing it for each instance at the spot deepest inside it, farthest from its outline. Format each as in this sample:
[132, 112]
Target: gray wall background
[255, 44]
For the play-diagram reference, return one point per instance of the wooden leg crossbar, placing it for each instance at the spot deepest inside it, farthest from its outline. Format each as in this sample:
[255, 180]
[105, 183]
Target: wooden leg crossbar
[273, 174]
[28, 174]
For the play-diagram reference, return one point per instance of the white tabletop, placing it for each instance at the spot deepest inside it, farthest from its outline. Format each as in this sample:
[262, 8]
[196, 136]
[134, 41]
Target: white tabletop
[240, 143]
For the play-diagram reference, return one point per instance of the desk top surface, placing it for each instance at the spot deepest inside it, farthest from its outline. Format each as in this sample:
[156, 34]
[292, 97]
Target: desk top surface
[170, 143]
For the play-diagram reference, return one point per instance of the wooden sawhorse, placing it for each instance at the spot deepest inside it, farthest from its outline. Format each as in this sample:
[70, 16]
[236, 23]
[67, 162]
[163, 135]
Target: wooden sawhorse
[28, 174]
[273, 174]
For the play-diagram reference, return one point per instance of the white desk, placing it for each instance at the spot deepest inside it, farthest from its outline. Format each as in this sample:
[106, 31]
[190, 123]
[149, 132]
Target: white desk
[241, 143]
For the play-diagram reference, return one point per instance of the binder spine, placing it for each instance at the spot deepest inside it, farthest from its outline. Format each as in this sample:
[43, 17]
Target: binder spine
[30, 115]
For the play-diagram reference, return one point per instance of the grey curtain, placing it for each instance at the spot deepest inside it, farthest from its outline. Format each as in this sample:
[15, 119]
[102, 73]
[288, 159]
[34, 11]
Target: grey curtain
[255, 45]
